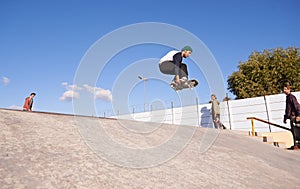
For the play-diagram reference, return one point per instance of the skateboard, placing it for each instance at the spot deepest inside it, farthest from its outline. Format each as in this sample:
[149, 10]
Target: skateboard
[188, 84]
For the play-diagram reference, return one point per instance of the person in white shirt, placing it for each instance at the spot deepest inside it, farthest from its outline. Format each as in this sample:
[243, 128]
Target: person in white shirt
[171, 64]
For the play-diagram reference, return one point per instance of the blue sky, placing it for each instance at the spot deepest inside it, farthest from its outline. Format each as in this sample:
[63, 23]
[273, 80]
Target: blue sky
[43, 43]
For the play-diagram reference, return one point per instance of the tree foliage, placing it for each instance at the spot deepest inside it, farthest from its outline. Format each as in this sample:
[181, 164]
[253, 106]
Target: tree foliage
[265, 73]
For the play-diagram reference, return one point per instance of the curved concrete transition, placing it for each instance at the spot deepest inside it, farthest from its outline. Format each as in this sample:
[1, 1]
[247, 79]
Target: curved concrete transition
[44, 150]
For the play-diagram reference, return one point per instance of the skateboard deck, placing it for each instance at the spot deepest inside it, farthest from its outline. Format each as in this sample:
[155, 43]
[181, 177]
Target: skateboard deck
[188, 84]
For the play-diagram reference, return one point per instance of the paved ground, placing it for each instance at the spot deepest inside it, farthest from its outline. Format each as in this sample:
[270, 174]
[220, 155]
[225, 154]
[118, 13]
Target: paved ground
[52, 151]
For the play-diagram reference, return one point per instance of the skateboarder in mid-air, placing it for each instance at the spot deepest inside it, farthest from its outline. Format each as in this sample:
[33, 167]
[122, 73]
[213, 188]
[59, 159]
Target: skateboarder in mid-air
[171, 64]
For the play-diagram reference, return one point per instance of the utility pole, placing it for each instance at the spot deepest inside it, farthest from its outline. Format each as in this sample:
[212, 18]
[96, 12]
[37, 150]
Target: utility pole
[144, 80]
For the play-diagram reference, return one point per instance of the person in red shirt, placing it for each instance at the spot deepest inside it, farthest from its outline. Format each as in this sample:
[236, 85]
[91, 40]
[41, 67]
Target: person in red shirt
[29, 102]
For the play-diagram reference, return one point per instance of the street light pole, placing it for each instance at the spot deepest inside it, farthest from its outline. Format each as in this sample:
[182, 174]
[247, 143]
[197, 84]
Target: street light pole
[144, 80]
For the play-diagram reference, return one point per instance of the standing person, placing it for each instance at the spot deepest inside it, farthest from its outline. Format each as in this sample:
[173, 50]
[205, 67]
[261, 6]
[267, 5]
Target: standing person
[215, 111]
[171, 64]
[292, 110]
[29, 102]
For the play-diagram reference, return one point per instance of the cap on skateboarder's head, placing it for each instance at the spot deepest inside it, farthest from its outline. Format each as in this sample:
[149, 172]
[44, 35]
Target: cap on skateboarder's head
[187, 48]
[186, 51]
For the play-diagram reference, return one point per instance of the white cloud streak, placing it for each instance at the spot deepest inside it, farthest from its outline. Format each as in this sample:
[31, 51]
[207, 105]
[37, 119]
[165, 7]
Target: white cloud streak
[72, 92]
[99, 93]
[5, 80]
[69, 95]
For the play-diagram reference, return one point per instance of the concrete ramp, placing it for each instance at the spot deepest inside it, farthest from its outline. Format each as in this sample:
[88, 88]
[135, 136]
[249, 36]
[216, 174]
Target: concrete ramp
[42, 150]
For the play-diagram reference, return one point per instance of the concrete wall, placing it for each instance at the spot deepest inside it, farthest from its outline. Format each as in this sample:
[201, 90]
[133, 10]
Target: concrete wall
[234, 114]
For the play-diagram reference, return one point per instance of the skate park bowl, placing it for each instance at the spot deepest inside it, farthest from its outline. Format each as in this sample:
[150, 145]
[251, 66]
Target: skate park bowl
[47, 150]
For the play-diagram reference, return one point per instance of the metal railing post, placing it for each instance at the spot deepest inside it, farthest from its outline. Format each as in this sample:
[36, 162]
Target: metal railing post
[172, 108]
[253, 128]
[228, 110]
[197, 108]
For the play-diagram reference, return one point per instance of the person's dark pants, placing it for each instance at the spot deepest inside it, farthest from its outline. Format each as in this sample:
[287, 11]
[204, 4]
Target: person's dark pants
[216, 120]
[297, 135]
[169, 67]
[295, 129]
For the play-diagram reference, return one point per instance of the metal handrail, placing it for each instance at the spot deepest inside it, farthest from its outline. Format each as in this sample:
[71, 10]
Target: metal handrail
[273, 124]
[267, 122]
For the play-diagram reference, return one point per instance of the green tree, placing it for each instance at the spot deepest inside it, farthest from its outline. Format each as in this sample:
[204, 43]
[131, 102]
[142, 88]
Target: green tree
[265, 73]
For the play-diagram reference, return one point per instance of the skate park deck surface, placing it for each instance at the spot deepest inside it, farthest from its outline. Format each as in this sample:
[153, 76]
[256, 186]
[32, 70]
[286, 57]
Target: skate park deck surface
[44, 150]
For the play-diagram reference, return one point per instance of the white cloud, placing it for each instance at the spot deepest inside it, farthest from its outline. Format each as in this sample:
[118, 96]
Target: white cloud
[70, 87]
[89, 88]
[69, 95]
[74, 87]
[72, 92]
[5, 80]
[103, 94]
[99, 93]
[64, 84]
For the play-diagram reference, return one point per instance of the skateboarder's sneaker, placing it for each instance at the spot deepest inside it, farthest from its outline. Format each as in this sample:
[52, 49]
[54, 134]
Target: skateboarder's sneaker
[174, 85]
[192, 84]
[188, 84]
[183, 81]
